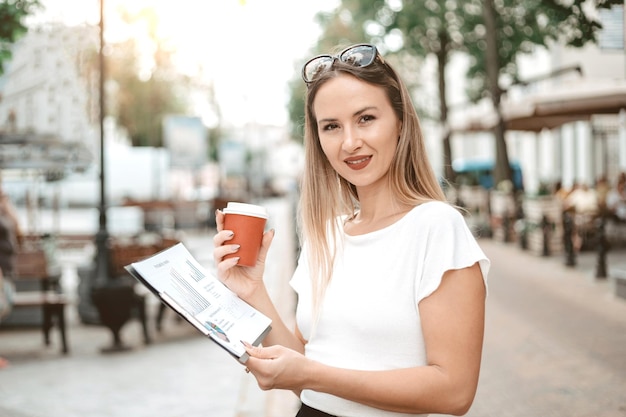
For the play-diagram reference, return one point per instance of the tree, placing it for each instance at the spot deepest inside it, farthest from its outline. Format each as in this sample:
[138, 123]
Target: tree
[499, 31]
[139, 104]
[12, 14]
[144, 96]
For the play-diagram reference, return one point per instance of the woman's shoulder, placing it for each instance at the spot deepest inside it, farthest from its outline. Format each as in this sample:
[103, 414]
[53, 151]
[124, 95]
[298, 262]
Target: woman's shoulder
[436, 208]
[434, 214]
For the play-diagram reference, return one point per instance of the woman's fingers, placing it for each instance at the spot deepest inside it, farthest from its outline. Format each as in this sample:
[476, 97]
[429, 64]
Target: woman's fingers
[266, 243]
[221, 237]
[219, 219]
[275, 366]
[222, 248]
[224, 266]
[269, 352]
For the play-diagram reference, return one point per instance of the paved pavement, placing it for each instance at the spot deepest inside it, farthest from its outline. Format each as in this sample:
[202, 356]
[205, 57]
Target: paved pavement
[555, 341]
[555, 345]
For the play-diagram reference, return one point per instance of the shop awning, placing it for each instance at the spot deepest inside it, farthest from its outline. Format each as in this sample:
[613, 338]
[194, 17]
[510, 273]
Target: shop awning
[553, 108]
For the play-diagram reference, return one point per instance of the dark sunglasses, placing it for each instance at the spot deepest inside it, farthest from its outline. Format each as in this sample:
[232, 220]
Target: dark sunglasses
[360, 56]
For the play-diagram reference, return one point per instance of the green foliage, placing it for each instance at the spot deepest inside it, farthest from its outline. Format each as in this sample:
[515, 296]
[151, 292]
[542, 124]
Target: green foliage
[523, 26]
[143, 98]
[295, 108]
[12, 14]
[140, 104]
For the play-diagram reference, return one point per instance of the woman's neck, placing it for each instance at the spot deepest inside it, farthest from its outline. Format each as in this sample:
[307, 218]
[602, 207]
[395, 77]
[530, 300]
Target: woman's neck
[376, 211]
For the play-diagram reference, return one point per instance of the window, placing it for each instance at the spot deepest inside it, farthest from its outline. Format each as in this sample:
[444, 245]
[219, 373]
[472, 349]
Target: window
[612, 34]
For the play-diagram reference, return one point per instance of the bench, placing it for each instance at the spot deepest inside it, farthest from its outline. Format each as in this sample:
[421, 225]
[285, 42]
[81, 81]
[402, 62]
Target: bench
[125, 253]
[31, 264]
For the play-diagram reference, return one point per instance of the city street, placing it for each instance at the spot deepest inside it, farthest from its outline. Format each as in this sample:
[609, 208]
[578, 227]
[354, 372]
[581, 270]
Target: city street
[124, 125]
[555, 345]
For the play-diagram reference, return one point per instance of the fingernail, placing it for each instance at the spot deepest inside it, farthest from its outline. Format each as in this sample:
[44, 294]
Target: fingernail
[246, 344]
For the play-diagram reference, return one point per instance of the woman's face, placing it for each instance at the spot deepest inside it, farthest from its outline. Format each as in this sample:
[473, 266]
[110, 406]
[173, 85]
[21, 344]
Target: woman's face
[358, 129]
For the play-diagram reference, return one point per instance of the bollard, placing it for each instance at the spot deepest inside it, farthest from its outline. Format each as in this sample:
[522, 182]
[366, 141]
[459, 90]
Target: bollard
[602, 247]
[521, 228]
[506, 226]
[546, 228]
[568, 243]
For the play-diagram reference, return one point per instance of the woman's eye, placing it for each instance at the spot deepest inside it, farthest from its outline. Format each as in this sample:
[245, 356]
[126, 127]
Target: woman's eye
[330, 126]
[367, 118]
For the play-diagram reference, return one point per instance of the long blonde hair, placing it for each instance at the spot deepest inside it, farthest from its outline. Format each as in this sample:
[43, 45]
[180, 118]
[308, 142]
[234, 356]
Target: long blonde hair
[326, 197]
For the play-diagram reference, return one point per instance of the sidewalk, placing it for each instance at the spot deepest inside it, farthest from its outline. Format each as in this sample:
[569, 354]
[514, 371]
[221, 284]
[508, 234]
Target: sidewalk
[183, 374]
[555, 339]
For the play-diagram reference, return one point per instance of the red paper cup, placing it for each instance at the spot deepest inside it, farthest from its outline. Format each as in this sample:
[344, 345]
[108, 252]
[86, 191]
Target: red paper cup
[247, 221]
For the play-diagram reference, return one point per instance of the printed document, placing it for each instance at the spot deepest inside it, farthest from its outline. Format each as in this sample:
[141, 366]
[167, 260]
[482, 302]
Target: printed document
[177, 278]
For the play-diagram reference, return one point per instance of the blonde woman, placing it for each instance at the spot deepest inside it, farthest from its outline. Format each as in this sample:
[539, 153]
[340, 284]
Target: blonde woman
[391, 283]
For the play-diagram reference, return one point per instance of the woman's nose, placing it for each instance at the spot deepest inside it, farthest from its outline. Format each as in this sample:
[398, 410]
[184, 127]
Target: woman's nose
[351, 141]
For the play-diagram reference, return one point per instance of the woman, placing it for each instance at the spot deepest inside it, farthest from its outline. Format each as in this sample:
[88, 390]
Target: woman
[390, 281]
[10, 239]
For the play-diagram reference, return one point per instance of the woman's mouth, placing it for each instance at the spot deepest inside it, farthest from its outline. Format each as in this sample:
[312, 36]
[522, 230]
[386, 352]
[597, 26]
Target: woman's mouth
[359, 162]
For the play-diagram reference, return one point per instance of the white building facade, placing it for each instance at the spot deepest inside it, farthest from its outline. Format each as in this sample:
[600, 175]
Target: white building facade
[50, 86]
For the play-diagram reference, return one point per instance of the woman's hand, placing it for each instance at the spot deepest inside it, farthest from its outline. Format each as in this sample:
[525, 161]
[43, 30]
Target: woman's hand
[277, 367]
[242, 280]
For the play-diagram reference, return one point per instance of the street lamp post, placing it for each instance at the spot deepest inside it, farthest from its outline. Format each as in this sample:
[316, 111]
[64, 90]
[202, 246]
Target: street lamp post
[113, 297]
[97, 274]
[102, 254]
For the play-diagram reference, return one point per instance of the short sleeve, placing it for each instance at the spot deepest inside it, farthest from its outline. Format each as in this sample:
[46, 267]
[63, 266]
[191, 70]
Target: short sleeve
[301, 284]
[449, 245]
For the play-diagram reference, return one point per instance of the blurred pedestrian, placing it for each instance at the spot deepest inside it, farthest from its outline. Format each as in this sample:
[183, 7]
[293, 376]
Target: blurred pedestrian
[616, 199]
[10, 239]
[582, 202]
[391, 283]
[602, 188]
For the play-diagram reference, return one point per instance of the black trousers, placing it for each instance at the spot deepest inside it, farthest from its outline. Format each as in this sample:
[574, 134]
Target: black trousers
[306, 411]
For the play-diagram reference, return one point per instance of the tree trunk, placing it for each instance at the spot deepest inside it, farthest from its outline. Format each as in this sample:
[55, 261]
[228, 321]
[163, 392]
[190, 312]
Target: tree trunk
[502, 169]
[442, 60]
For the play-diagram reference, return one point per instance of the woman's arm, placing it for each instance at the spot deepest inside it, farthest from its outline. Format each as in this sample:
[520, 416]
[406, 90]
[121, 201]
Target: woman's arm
[453, 327]
[247, 283]
[280, 333]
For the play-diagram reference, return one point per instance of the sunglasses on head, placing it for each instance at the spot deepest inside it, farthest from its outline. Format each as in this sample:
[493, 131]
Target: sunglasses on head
[360, 56]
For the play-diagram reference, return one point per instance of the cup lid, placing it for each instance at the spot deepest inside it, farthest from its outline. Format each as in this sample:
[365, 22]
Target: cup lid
[246, 209]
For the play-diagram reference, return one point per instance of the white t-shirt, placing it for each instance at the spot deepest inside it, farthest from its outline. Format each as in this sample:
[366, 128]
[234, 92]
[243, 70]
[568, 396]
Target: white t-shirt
[369, 318]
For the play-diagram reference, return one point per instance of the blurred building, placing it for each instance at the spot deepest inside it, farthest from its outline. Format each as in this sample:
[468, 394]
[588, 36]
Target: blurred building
[50, 90]
[50, 86]
[48, 111]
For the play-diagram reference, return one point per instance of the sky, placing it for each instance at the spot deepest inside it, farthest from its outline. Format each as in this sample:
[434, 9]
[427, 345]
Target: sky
[248, 49]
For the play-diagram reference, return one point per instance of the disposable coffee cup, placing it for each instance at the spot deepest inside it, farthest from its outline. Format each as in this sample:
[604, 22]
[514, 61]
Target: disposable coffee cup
[247, 221]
